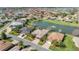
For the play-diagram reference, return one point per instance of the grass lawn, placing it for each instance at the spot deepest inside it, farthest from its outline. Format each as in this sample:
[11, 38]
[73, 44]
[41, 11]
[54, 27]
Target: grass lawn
[63, 23]
[70, 46]
[42, 40]
[14, 33]
[30, 37]
[1, 26]
[7, 40]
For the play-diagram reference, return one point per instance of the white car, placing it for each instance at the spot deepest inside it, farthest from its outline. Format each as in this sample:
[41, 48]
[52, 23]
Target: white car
[21, 36]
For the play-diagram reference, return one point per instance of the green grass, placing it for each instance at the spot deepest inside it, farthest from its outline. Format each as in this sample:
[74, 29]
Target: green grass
[14, 33]
[29, 37]
[7, 40]
[70, 46]
[63, 23]
[42, 40]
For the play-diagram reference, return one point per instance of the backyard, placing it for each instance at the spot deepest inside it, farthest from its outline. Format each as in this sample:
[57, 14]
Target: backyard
[69, 45]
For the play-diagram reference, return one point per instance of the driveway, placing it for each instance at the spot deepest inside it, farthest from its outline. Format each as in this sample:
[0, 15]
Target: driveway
[76, 41]
[27, 49]
[35, 41]
[47, 44]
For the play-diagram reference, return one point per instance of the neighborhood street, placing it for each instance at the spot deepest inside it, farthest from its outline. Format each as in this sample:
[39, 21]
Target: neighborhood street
[27, 43]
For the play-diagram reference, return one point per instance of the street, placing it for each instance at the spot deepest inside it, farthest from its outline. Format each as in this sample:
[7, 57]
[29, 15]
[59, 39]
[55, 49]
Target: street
[40, 48]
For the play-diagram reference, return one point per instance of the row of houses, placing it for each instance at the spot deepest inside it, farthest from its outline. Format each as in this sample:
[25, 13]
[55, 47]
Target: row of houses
[13, 46]
[38, 33]
[19, 22]
[53, 36]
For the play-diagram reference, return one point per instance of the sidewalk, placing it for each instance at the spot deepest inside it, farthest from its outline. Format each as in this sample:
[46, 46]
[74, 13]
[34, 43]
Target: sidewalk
[76, 41]
[47, 45]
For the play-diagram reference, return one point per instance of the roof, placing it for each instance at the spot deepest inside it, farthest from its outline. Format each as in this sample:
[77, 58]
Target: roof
[25, 30]
[22, 20]
[3, 20]
[16, 23]
[5, 45]
[40, 33]
[55, 36]
[15, 48]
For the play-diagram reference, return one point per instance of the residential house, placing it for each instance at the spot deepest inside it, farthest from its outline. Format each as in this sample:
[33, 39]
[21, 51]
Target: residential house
[15, 48]
[40, 33]
[5, 45]
[2, 21]
[25, 30]
[15, 24]
[22, 20]
[55, 36]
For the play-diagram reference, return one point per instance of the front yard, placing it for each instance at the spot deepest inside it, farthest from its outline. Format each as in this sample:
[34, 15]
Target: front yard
[29, 37]
[14, 33]
[42, 40]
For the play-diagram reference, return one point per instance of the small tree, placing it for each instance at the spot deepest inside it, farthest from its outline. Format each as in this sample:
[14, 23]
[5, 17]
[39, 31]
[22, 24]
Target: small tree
[3, 36]
[21, 45]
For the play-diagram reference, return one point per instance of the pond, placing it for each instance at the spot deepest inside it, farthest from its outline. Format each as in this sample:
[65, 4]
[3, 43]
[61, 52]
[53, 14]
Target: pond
[54, 27]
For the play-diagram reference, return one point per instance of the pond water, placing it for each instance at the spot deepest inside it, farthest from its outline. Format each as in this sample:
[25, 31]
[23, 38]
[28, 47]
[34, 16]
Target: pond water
[55, 27]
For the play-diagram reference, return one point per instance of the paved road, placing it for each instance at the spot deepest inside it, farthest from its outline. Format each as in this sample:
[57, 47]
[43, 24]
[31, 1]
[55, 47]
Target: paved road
[5, 26]
[40, 48]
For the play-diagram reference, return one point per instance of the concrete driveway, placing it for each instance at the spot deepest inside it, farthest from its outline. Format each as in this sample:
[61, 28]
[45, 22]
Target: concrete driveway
[76, 41]
[47, 44]
[27, 49]
[35, 41]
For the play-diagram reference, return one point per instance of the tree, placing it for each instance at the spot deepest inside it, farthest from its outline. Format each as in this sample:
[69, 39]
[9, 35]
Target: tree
[3, 36]
[21, 45]
[62, 45]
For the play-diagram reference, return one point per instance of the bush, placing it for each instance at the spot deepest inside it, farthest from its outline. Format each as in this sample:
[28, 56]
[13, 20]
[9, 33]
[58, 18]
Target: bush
[14, 33]
[30, 37]
[42, 40]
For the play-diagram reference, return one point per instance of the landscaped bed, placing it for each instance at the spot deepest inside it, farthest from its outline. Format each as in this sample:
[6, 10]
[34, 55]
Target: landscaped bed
[69, 45]
[42, 40]
[14, 33]
[29, 37]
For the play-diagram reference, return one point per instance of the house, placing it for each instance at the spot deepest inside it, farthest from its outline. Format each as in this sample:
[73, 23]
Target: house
[52, 18]
[25, 30]
[15, 48]
[55, 36]
[40, 33]
[15, 24]
[3, 21]
[5, 45]
[22, 20]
